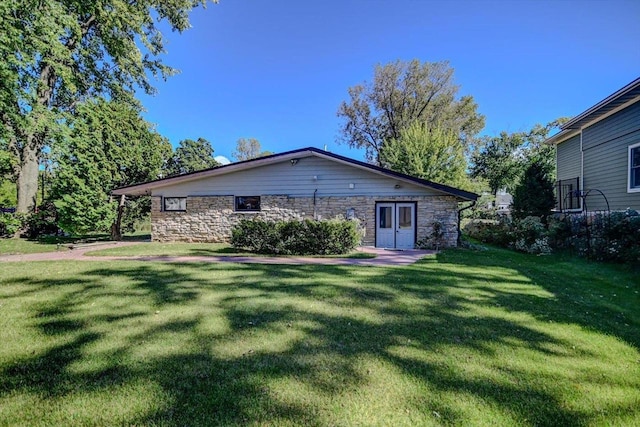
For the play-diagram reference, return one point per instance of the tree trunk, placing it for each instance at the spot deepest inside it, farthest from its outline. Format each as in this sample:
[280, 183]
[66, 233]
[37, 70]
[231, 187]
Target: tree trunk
[116, 227]
[27, 182]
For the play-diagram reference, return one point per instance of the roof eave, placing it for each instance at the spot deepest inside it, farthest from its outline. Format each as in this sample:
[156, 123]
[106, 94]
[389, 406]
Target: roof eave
[561, 136]
[630, 92]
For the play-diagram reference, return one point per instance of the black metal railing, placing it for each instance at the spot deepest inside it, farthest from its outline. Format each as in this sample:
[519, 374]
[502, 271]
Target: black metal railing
[568, 194]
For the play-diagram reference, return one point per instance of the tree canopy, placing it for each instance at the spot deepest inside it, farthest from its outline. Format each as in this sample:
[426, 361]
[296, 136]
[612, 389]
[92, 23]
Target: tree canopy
[57, 53]
[249, 148]
[109, 145]
[191, 156]
[400, 94]
[501, 160]
[433, 154]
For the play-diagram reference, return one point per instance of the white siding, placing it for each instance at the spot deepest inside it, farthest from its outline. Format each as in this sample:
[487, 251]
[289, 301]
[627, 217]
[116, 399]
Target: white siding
[332, 179]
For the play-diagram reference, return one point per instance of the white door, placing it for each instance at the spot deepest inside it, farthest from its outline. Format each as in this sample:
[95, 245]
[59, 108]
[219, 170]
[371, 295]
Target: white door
[395, 225]
[405, 226]
[385, 225]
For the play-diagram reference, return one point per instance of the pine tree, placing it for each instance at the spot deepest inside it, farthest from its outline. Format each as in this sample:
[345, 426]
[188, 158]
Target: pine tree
[534, 195]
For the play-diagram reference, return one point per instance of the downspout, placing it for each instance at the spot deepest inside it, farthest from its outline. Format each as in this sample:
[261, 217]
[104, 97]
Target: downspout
[315, 210]
[473, 203]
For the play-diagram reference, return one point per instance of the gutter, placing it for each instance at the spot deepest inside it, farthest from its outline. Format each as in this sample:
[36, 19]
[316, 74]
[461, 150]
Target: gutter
[473, 203]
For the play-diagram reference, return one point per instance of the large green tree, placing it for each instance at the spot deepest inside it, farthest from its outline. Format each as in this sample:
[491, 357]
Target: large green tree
[108, 145]
[502, 160]
[400, 94]
[433, 154]
[249, 148]
[191, 156]
[498, 161]
[55, 53]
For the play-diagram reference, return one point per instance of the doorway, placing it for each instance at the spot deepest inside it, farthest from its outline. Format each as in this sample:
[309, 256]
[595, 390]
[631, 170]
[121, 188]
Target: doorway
[395, 225]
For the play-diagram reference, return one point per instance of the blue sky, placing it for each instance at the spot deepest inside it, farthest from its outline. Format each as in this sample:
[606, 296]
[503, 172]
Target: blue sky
[277, 70]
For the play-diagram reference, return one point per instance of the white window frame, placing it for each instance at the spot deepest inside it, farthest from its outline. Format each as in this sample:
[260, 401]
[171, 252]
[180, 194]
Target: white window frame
[631, 189]
[164, 204]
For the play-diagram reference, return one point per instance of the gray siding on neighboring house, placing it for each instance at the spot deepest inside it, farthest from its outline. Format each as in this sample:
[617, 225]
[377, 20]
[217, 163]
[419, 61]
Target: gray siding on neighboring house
[606, 156]
[569, 158]
[331, 179]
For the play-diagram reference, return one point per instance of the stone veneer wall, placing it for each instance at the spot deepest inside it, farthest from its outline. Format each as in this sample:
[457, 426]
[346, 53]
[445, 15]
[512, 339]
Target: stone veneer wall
[211, 218]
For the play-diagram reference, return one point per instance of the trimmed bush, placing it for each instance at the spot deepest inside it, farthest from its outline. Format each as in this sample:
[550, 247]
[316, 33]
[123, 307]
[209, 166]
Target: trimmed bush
[256, 236]
[306, 237]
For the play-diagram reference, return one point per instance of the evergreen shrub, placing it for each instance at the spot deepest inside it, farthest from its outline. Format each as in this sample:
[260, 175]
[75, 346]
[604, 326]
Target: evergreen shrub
[305, 237]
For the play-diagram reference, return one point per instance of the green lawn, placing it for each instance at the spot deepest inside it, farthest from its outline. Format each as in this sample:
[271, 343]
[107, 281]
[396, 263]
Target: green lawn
[191, 249]
[24, 246]
[56, 243]
[461, 338]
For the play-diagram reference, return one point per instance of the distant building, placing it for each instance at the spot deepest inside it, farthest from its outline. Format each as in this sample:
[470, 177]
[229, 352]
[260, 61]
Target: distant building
[503, 202]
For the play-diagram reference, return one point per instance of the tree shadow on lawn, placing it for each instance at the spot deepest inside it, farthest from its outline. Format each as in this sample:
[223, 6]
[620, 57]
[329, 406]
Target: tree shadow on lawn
[598, 296]
[229, 343]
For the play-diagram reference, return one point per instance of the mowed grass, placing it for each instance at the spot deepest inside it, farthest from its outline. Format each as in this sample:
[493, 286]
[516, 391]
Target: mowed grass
[16, 246]
[461, 338]
[193, 249]
[24, 246]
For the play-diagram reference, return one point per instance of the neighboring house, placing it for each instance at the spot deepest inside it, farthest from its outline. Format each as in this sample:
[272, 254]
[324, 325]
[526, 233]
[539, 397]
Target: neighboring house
[598, 155]
[503, 202]
[395, 210]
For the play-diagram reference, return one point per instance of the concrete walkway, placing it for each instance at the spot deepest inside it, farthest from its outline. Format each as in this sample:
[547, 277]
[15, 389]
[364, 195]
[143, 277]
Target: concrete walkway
[383, 257]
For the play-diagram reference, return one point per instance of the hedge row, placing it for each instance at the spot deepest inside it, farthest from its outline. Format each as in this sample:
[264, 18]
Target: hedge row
[608, 237]
[296, 237]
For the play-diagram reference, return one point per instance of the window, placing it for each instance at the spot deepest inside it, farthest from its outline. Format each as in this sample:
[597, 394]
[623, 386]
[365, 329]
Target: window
[404, 217]
[247, 203]
[175, 204]
[634, 168]
[385, 217]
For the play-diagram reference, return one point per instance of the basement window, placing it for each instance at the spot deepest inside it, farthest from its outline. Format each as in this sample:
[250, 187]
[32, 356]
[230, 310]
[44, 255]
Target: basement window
[175, 204]
[247, 203]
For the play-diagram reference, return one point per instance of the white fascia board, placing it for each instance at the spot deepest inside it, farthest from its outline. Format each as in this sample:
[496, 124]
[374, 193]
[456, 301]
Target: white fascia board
[562, 136]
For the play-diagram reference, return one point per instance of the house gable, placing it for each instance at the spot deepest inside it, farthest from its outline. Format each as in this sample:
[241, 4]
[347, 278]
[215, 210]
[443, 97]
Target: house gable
[309, 175]
[279, 179]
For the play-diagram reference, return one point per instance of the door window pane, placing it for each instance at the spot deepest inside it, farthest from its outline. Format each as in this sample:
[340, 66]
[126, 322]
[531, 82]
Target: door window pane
[404, 216]
[385, 217]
